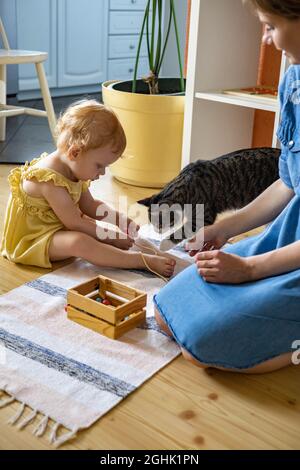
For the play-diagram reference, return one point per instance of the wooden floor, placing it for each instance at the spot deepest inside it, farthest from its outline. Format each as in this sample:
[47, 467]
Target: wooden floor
[182, 407]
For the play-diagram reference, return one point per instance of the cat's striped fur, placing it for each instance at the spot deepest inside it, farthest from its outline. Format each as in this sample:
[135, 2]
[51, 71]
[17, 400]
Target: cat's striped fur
[228, 182]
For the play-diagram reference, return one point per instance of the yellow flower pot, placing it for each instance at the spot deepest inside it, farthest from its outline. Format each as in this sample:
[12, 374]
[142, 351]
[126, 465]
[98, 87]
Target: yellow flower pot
[153, 125]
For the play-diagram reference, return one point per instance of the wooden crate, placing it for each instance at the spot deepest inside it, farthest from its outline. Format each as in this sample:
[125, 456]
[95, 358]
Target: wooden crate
[127, 309]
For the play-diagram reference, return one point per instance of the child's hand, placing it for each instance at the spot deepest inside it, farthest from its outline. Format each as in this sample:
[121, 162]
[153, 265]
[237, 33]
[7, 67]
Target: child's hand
[122, 243]
[128, 225]
[208, 237]
[224, 268]
[132, 228]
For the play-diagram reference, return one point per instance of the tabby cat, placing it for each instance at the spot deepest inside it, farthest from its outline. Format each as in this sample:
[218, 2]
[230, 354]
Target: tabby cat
[229, 182]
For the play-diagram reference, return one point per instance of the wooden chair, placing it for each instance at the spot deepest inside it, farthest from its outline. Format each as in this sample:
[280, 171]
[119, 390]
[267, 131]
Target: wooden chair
[15, 56]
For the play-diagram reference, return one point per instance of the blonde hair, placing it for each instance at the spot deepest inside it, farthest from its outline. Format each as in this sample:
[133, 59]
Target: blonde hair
[289, 9]
[88, 124]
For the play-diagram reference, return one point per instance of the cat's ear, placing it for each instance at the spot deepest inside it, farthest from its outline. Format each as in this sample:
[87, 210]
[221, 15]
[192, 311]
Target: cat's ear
[145, 202]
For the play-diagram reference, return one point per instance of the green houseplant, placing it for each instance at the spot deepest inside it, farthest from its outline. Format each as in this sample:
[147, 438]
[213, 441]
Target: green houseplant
[156, 45]
[151, 109]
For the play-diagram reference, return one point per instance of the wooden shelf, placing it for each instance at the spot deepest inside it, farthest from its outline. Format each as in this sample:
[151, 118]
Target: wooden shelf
[247, 101]
[218, 71]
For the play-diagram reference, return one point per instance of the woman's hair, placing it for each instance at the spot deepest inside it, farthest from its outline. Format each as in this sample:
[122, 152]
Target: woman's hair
[89, 125]
[289, 9]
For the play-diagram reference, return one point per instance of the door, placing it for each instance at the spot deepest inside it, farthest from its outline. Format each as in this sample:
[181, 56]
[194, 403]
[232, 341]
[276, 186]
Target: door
[37, 31]
[82, 42]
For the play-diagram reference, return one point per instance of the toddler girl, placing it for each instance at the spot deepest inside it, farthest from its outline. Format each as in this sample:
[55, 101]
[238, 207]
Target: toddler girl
[51, 214]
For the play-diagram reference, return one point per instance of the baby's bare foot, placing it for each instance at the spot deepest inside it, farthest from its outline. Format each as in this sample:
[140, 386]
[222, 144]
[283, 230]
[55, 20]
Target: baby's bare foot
[160, 264]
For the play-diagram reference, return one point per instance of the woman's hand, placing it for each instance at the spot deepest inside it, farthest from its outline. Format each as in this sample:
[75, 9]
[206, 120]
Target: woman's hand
[223, 268]
[208, 237]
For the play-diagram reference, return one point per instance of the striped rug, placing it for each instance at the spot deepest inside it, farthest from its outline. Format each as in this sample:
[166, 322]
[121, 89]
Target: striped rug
[63, 371]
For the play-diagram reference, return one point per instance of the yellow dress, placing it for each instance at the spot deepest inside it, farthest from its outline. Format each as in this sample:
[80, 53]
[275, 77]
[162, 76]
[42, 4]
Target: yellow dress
[29, 221]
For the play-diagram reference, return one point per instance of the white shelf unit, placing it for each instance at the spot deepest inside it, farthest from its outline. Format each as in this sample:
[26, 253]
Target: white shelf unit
[245, 101]
[224, 52]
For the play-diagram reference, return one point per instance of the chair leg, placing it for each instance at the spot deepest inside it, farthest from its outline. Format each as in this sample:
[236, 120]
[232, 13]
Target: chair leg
[2, 100]
[46, 97]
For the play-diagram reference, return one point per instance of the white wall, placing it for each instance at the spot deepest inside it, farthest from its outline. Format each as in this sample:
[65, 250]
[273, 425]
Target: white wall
[170, 66]
[9, 18]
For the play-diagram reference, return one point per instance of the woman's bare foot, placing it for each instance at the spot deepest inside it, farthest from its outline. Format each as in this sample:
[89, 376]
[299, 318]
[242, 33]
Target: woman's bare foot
[160, 264]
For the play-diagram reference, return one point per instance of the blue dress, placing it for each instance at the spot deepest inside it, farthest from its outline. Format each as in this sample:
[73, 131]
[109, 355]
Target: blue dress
[240, 326]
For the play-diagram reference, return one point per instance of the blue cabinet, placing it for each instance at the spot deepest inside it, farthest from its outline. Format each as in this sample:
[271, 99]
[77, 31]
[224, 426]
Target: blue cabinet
[82, 42]
[75, 35]
[125, 46]
[128, 4]
[88, 42]
[125, 22]
[37, 31]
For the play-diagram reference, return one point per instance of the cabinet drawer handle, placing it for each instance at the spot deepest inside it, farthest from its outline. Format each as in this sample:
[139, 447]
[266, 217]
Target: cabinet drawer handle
[131, 47]
[133, 2]
[130, 70]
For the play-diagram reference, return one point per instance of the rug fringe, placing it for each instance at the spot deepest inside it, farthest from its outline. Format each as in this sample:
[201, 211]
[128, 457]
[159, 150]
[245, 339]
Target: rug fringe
[53, 432]
[41, 427]
[58, 441]
[27, 420]
[6, 401]
[18, 415]
[8, 398]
